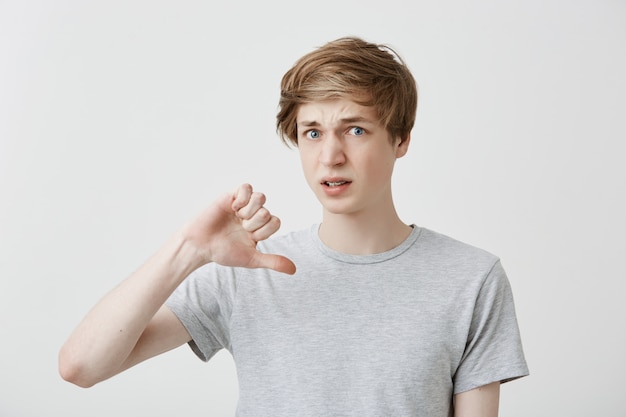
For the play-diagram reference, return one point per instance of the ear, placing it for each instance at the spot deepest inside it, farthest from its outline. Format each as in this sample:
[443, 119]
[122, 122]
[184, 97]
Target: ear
[402, 146]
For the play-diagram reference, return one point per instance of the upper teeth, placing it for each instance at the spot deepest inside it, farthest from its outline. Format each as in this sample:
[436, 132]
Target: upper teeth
[335, 183]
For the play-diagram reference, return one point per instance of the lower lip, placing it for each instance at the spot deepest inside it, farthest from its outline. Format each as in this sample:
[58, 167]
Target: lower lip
[337, 190]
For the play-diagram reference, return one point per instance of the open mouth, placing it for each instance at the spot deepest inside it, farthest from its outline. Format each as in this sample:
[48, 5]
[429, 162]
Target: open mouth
[334, 183]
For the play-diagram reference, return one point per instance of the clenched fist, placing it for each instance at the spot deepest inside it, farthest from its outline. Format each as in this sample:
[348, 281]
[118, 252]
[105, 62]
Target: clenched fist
[228, 230]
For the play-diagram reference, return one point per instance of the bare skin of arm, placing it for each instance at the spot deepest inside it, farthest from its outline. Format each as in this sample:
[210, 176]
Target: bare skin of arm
[479, 402]
[131, 324]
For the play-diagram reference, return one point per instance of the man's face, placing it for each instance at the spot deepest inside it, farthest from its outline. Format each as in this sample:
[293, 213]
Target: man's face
[347, 157]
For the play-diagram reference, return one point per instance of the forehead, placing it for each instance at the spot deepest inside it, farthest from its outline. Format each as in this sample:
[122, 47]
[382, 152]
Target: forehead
[336, 111]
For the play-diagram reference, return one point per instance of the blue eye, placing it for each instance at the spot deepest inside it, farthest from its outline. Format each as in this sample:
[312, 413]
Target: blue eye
[313, 134]
[357, 131]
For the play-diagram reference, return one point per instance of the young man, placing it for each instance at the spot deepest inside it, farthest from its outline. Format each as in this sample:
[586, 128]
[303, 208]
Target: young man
[380, 318]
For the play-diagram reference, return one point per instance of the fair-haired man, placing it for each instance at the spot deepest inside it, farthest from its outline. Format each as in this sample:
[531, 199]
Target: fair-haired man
[378, 317]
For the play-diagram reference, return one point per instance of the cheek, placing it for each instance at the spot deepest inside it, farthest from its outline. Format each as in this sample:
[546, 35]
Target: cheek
[379, 167]
[302, 155]
[307, 166]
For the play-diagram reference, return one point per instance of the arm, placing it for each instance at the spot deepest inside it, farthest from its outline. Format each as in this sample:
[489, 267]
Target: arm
[131, 323]
[479, 402]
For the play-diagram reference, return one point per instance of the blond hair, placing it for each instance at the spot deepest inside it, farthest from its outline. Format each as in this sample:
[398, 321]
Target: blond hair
[366, 73]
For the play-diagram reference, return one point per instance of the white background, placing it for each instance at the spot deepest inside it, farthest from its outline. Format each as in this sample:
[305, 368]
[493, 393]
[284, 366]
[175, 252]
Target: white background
[121, 119]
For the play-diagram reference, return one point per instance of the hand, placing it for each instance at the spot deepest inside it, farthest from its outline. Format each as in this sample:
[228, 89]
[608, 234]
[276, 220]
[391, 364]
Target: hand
[227, 232]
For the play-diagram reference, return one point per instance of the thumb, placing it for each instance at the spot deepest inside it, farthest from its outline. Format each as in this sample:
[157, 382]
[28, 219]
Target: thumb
[277, 263]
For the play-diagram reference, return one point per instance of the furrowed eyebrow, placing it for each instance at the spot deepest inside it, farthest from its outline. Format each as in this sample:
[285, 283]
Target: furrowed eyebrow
[346, 120]
[308, 124]
[356, 119]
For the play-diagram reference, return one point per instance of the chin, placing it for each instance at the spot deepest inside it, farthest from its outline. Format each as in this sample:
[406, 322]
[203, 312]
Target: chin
[336, 205]
[338, 209]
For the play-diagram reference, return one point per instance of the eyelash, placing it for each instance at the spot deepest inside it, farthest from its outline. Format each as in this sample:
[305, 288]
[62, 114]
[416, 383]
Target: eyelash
[308, 133]
[357, 127]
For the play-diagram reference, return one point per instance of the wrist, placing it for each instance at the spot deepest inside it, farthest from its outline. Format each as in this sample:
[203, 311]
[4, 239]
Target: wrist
[182, 256]
[188, 255]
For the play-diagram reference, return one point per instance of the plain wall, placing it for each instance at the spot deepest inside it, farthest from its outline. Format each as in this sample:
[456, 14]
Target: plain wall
[119, 120]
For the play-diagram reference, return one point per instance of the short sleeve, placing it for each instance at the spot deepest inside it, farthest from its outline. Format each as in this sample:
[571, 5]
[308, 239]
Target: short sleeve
[493, 351]
[204, 303]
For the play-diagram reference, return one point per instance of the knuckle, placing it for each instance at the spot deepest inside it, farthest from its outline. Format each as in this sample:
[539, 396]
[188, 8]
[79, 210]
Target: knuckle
[275, 221]
[264, 214]
[258, 197]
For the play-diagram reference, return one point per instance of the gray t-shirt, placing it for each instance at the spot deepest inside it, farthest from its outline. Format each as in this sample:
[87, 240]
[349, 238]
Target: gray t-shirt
[390, 334]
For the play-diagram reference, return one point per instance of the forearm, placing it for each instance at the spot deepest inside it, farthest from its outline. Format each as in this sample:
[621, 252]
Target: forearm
[479, 402]
[126, 326]
[102, 342]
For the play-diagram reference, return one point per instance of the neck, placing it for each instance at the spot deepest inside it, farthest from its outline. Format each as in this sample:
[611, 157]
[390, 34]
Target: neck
[363, 233]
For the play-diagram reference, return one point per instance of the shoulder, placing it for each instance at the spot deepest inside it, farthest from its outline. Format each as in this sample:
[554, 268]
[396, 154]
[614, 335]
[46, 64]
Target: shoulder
[444, 244]
[443, 250]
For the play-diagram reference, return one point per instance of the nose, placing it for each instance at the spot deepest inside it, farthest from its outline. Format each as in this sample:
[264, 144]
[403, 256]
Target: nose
[332, 152]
